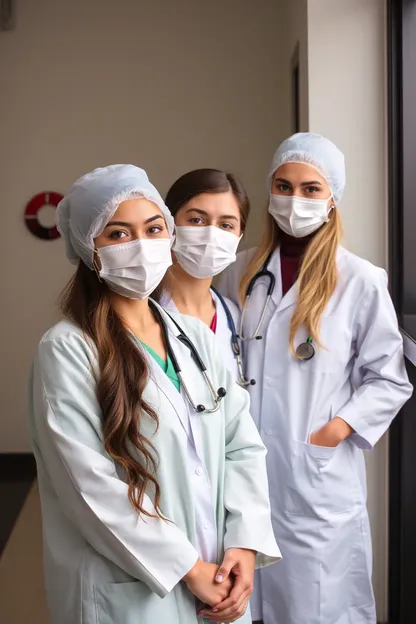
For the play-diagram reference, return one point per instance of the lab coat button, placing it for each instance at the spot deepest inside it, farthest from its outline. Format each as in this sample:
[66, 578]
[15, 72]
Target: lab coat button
[206, 526]
[199, 471]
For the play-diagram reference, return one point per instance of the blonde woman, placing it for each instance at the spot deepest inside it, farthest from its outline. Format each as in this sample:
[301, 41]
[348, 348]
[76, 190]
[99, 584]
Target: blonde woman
[327, 357]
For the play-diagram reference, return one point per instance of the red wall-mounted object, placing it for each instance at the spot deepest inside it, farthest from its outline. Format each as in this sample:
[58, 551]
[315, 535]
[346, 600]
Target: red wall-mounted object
[48, 198]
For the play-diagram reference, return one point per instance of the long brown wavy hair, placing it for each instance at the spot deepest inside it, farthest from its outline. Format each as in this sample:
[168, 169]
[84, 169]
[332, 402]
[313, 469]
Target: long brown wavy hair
[123, 375]
[317, 276]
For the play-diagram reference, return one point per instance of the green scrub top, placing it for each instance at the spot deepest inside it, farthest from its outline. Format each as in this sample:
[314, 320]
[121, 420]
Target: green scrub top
[167, 366]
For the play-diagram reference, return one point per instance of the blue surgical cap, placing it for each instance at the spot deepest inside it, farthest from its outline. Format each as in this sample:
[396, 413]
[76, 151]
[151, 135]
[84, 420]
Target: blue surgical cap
[93, 199]
[317, 152]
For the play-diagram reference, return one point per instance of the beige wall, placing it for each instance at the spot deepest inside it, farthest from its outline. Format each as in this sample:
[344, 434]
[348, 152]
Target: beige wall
[169, 86]
[347, 103]
[294, 33]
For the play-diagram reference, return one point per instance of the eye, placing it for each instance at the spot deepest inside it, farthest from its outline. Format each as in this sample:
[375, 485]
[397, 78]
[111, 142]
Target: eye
[196, 220]
[312, 189]
[155, 229]
[227, 226]
[282, 187]
[118, 234]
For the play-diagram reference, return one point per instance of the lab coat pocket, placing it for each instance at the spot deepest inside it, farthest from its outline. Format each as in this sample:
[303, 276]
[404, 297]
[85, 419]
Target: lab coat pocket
[321, 481]
[133, 603]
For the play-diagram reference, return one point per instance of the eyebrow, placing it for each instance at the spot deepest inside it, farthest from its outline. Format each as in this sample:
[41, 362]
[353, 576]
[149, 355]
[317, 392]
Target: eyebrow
[302, 184]
[204, 213]
[130, 225]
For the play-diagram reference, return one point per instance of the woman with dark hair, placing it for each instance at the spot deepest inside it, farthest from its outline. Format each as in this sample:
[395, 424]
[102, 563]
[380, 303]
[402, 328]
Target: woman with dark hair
[210, 208]
[151, 471]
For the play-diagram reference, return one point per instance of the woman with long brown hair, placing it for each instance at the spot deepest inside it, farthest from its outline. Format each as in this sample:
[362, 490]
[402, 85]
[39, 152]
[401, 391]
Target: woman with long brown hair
[321, 338]
[210, 208]
[151, 472]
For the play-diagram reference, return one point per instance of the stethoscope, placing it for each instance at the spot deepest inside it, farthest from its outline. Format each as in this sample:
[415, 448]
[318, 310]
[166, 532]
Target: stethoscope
[235, 346]
[305, 351]
[217, 395]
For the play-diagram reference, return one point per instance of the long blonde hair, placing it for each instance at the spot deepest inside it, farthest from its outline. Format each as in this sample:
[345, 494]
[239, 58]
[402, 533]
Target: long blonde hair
[317, 276]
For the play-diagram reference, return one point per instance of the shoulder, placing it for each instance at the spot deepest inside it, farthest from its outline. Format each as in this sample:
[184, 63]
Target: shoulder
[243, 259]
[64, 343]
[230, 279]
[232, 307]
[165, 301]
[64, 330]
[364, 273]
[199, 333]
[194, 328]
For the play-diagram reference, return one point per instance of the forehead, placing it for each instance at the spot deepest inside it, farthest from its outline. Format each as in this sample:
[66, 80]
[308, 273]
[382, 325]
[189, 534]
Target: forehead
[297, 173]
[136, 210]
[214, 203]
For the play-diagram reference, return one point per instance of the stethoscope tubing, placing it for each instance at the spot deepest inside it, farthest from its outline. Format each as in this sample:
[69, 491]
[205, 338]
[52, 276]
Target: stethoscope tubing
[217, 395]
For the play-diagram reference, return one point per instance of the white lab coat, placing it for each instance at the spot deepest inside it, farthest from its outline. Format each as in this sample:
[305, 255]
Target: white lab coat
[318, 494]
[222, 333]
[103, 563]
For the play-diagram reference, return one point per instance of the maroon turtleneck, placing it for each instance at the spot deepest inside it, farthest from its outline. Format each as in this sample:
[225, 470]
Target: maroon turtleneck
[291, 253]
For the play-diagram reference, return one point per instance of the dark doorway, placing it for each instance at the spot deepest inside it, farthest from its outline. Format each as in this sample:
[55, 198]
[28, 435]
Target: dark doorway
[402, 243]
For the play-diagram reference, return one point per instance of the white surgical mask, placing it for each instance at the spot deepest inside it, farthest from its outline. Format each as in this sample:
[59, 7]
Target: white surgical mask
[298, 216]
[135, 269]
[205, 251]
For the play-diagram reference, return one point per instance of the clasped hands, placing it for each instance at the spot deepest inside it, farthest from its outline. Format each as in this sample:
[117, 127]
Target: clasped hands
[226, 589]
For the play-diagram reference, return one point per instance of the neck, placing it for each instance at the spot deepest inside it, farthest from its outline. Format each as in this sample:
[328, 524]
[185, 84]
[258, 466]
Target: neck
[294, 247]
[190, 295]
[135, 313]
[187, 291]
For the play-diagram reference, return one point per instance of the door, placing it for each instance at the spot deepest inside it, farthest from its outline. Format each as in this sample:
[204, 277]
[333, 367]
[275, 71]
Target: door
[402, 235]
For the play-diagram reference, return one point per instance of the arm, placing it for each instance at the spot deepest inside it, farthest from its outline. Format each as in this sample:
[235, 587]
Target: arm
[249, 534]
[67, 425]
[229, 281]
[246, 492]
[379, 375]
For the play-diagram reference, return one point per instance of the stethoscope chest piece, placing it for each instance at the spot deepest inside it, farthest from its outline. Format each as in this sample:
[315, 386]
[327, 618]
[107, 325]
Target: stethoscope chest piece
[305, 350]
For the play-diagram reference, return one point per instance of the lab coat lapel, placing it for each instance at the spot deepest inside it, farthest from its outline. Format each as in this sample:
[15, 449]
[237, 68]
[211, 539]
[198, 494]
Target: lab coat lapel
[222, 331]
[166, 387]
[290, 298]
[193, 379]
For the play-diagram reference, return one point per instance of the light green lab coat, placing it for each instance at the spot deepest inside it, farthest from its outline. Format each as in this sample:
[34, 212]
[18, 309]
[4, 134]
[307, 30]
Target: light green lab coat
[103, 563]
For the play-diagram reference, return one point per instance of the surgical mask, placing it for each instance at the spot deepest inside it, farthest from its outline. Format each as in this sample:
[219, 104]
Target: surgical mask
[135, 269]
[205, 251]
[298, 216]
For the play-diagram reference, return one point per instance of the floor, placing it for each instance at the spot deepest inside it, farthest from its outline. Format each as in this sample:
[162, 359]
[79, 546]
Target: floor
[17, 474]
[22, 597]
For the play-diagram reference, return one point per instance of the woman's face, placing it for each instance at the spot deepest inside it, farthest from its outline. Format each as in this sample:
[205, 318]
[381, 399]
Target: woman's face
[218, 209]
[299, 180]
[133, 219]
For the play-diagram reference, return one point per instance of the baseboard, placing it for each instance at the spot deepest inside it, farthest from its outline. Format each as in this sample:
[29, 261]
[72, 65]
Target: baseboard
[17, 467]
